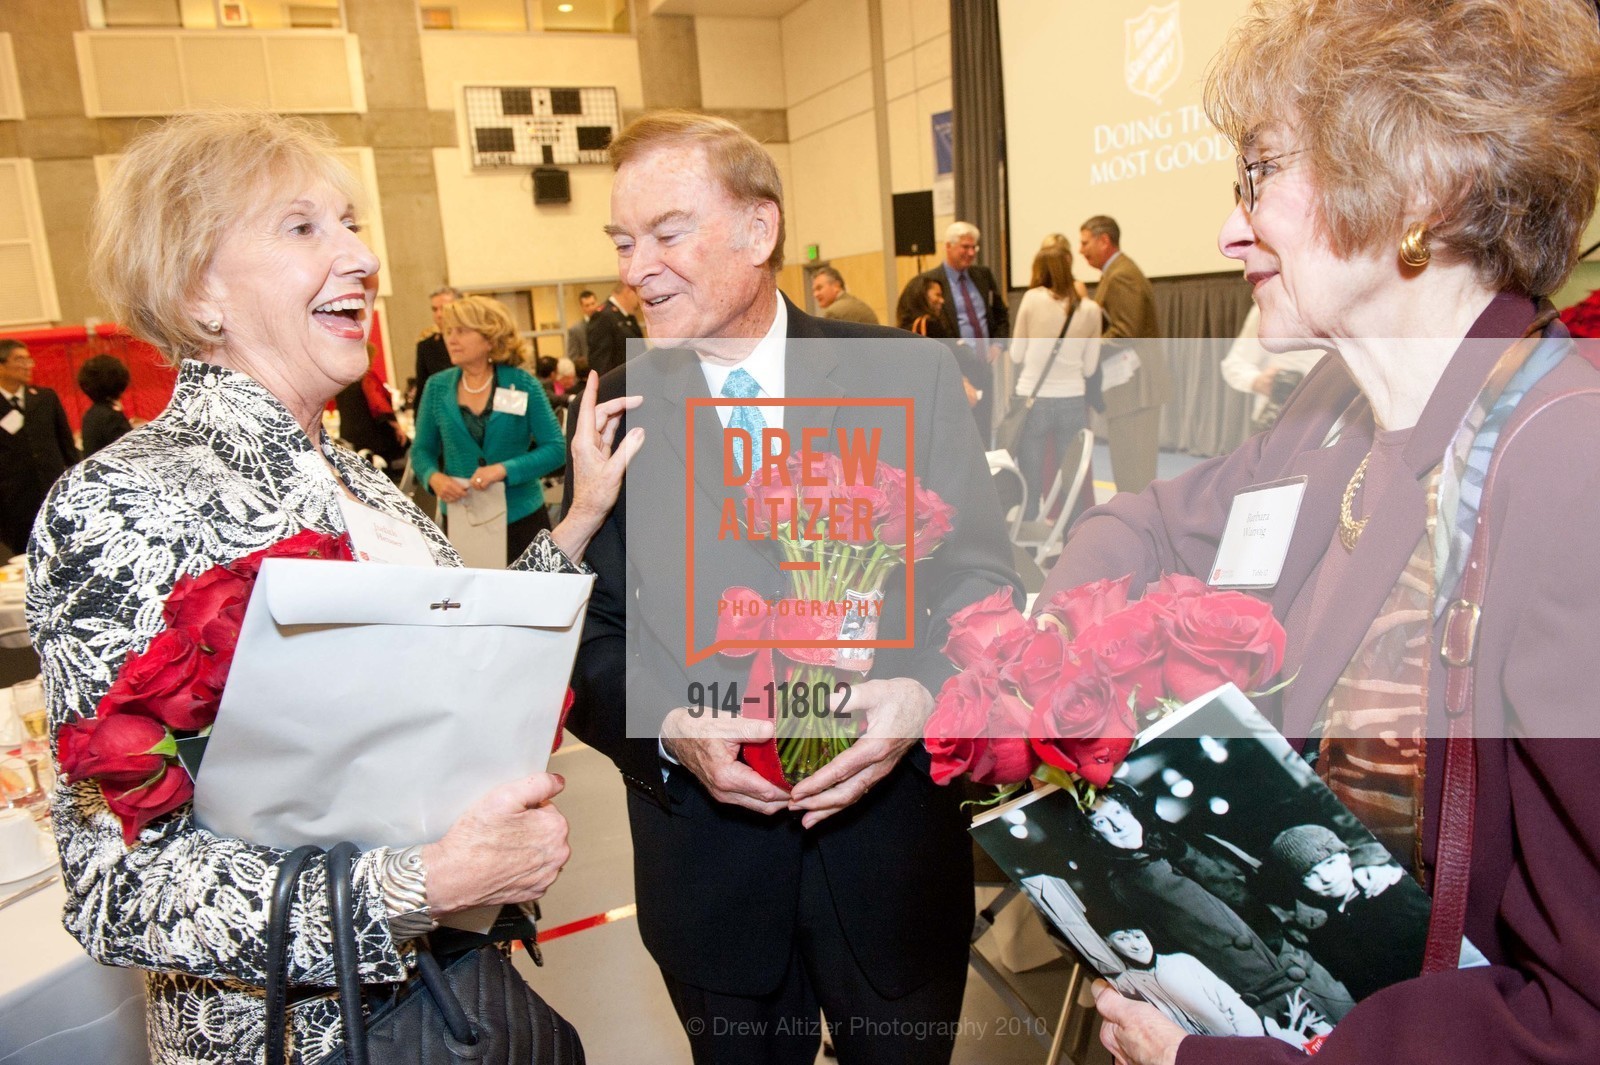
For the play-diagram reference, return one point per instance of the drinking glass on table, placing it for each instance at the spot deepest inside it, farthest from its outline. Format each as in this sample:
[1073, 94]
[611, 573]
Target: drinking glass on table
[20, 788]
[28, 698]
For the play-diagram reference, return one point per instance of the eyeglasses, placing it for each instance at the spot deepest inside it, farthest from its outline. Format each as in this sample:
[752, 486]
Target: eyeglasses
[1246, 188]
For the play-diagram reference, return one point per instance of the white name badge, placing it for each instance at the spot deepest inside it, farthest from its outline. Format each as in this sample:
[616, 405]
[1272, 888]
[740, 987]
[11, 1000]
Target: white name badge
[11, 423]
[1256, 539]
[511, 401]
[380, 537]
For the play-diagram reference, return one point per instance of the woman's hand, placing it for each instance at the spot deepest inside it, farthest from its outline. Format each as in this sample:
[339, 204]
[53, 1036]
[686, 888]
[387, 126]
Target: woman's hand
[484, 476]
[596, 468]
[444, 486]
[1136, 1033]
[508, 848]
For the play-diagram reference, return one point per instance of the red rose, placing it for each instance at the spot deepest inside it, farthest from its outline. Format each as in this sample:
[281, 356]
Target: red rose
[1172, 589]
[307, 543]
[138, 806]
[1131, 645]
[170, 680]
[865, 499]
[1042, 661]
[1085, 727]
[1088, 604]
[1218, 638]
[975, 627]
[935, 519]
[978, 731]
[122, 751]
[194, 602]
[772, 496]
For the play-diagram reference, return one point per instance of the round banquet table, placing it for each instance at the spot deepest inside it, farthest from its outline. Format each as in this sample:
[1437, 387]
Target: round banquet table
[57, 1007]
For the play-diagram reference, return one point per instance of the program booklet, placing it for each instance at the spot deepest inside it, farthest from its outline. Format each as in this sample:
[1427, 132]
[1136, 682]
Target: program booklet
[1218, 879]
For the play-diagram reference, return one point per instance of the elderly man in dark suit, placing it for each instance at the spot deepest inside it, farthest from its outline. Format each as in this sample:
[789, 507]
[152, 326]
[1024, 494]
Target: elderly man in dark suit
[35, 444]
[1133, 409]
[851, 892]
[611, 327]
[974, 310]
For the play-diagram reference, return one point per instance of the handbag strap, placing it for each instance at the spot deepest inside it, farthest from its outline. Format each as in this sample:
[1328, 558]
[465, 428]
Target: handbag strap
[1459, 649]
[278, 950]
[1051, 361]
[346, 957]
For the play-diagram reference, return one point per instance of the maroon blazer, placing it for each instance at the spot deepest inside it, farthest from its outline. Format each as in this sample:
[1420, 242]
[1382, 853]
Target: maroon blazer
[1536, 858]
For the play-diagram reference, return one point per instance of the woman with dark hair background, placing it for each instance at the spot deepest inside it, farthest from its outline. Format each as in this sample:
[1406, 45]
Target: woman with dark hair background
[103, 379]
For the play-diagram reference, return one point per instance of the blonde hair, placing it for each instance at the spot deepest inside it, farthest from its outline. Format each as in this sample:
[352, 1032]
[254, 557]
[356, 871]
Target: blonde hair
[171, 199]
[490, 320]
[1052, 269]
[744, 168]
[1477, 117]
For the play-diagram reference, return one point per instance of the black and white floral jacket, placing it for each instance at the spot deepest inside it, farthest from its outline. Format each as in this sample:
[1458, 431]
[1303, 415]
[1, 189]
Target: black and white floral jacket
[225, 470]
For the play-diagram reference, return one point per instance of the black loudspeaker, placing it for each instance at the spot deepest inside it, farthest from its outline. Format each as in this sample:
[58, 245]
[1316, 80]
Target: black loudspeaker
[913, 223]
[551, 184]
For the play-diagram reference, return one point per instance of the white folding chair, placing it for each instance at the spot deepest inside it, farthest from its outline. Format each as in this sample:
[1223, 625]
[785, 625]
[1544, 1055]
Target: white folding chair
[1042, 536]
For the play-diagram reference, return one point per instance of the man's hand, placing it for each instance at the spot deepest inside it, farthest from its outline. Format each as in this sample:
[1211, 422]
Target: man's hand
[895, 711]
[708, 747]
[1263, 382]
[1136, 1033]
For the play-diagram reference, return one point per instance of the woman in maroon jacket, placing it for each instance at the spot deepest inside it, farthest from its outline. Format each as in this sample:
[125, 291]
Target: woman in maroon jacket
[1414, 177]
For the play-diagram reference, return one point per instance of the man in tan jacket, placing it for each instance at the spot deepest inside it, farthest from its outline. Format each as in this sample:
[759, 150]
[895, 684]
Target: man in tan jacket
[1133, 409]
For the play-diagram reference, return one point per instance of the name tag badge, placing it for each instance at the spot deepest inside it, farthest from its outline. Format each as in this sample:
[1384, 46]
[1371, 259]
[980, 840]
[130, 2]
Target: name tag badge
[511, 401]
[11, 423]
[1256, 539]
[380, 537]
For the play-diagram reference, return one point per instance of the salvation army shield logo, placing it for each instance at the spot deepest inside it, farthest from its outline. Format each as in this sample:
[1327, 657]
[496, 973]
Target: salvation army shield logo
[1153, 51]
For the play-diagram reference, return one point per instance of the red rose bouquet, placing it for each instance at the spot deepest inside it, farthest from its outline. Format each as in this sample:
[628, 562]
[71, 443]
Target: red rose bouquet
[1060, 696]
[843, 529]
[172, 689]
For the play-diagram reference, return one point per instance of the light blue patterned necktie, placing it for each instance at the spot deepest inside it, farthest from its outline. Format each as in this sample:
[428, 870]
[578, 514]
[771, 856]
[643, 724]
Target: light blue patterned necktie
[740, 385]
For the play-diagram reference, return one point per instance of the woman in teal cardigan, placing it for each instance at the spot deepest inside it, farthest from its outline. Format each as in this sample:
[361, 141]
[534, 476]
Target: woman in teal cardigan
[483, 420]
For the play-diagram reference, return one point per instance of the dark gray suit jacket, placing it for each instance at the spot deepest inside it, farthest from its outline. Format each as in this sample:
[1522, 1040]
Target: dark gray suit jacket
[717, 885]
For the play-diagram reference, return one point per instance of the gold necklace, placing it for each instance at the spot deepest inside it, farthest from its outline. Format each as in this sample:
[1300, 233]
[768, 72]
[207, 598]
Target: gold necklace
[1349, 527]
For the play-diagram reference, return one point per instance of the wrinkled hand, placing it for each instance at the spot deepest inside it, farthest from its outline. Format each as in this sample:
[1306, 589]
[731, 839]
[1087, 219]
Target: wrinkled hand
[1263, 382]
[1136, 1033]
[708, 746]
[895, 711]
[1374, 880]
[508, 848]
[445, 487]
[597, 468]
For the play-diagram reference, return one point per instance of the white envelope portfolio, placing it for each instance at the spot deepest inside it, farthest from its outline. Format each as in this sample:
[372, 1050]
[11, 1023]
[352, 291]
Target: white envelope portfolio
[377, 703]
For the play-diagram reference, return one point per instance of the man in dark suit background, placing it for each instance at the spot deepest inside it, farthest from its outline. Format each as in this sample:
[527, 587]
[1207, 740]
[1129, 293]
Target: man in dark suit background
[853, 892]
[431, 353]
[578, 332]
[974, 310]
[612, 326]
[1133, 410]
[36, 444]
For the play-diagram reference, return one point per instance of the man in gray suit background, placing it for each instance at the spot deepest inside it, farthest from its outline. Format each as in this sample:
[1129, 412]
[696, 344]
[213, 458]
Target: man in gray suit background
[1133, 409]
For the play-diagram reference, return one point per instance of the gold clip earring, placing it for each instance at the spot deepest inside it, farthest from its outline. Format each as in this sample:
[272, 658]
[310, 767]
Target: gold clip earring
[1414, 251]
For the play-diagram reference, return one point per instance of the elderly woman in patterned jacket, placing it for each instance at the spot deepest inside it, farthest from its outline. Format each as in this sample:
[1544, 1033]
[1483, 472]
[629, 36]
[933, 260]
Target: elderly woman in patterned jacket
[229, 241]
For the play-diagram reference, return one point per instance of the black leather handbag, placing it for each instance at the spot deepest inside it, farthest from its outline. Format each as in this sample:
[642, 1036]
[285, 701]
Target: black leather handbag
[468, 1007]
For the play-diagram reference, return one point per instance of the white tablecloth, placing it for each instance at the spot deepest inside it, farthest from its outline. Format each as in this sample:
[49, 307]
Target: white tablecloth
[57, 1007]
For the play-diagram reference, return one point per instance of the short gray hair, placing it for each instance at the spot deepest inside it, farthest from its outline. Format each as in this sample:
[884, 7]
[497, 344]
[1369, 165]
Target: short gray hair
[445, 290]
[1104, 225]
[956, 230]
[831, 273]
